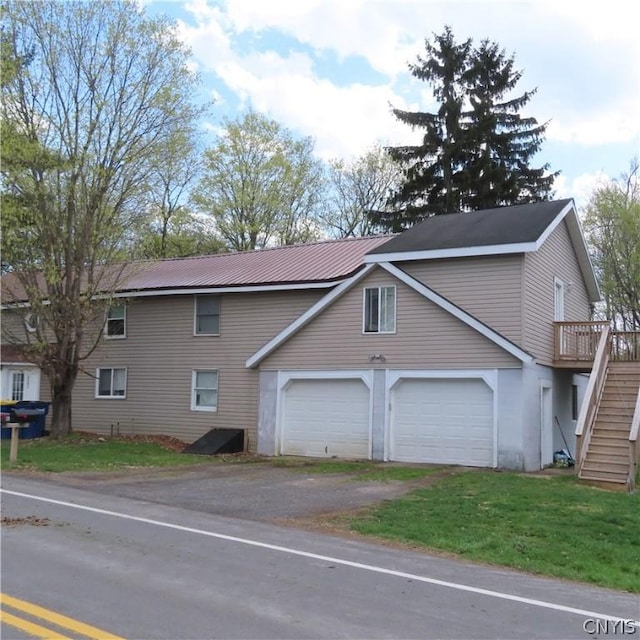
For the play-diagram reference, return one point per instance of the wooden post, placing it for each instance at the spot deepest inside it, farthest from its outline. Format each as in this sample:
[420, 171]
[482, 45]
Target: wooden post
[15, 435]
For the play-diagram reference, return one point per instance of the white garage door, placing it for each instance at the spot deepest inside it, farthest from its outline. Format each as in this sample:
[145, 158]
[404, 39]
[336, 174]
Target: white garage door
[442, 421]
[326, 418]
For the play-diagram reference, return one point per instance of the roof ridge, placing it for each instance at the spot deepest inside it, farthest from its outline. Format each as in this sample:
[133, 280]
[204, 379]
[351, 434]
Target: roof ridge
[223, 254]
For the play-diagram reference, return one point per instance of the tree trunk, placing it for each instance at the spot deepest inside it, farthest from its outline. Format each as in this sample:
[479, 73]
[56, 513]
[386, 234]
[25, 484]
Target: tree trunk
[61, 404]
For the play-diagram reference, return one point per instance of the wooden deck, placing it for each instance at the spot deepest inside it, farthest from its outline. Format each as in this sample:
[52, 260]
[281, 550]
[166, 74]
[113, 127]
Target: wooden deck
[576, 344]
[608, 426]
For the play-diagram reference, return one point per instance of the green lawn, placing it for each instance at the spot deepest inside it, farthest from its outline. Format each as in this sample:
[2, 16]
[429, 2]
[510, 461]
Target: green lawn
[549, 525]
[364, 470]
[82, 453]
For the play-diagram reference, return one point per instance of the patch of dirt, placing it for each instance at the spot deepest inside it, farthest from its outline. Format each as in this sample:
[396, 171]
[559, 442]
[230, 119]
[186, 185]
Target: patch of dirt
[28, 520]
[166, 442]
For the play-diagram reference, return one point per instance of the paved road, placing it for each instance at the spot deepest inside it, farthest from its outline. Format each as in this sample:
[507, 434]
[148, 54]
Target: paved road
[148, 571]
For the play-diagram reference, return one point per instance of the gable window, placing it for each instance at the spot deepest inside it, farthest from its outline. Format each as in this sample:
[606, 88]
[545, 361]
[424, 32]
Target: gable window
[116, 322]
[207, 320]
[111, 382]
[380, 310]
[204, 390]
[558, 300]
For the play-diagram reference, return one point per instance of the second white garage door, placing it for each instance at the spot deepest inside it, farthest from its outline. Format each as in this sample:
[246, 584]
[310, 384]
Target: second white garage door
[326, 418]
[442, 421]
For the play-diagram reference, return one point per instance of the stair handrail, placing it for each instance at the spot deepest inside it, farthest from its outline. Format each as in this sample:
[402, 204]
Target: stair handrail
[635, 423]
[634, 452]
[595, 386]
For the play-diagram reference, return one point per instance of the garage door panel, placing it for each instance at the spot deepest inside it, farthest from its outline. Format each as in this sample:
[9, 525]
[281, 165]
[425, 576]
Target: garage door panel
[446, 421]
[326, 418]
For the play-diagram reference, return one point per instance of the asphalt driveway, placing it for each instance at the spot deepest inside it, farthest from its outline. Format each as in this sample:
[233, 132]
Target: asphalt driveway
[253, 491]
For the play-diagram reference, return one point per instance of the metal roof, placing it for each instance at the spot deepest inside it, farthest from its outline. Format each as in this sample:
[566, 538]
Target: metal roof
[296, 264]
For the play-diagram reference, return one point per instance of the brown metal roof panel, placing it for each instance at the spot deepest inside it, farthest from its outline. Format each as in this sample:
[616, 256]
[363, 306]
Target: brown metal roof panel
[323, 261]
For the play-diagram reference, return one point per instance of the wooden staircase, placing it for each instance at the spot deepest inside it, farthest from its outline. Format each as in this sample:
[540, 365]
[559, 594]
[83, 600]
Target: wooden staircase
[607, 458]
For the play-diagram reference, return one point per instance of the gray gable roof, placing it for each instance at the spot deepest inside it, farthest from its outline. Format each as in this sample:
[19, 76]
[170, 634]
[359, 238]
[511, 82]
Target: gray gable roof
[523, 223]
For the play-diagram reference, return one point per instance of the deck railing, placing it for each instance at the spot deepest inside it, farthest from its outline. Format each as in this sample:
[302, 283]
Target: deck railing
[578, 341]
[625, 346]
[593, 393]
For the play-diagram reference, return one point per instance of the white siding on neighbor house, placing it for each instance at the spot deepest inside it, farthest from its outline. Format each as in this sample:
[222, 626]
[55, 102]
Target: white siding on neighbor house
[160, 352]
[555, 258]
[426, 337]
[487, 287]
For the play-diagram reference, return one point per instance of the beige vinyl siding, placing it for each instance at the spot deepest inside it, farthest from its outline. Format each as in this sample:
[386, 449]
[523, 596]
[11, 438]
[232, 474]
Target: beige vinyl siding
[487, 287]
[13, 327]
[426, 337]
[160, 352]
[556, 257]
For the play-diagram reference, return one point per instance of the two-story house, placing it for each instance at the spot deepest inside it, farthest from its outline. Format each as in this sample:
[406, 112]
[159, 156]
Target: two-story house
[464, 340]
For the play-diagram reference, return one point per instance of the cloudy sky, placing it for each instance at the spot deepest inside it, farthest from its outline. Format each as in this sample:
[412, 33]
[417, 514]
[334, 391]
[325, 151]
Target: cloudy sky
[331, 69]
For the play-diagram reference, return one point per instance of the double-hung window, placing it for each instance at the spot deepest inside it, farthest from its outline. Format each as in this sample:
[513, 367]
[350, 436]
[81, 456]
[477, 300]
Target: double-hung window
[379, 310]
[111, 382]
[204, 390]
[116, 322]
[207, 315]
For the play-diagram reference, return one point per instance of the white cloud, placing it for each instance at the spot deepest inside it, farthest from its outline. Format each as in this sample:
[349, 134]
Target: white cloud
[583, 56]
[621, 124]
[344, 121]
[581, 187]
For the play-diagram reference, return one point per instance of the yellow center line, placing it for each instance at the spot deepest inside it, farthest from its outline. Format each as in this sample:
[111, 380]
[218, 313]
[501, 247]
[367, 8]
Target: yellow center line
[56, 618]
[34, 630]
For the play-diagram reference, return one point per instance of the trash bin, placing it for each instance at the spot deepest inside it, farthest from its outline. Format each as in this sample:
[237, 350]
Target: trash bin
[36, 412]
[5, 411]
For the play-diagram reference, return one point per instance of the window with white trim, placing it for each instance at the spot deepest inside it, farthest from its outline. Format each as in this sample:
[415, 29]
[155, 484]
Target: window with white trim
[17, 385]
[207, 315]
[379, 310]
[558, 300]
[111, 382]
[116, 322]
[204, 390]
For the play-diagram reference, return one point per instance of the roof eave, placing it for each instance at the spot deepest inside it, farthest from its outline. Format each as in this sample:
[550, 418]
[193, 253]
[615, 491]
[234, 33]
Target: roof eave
[456, 252]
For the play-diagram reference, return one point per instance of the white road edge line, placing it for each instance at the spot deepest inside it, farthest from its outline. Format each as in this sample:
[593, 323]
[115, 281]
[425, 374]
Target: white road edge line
[346, 563]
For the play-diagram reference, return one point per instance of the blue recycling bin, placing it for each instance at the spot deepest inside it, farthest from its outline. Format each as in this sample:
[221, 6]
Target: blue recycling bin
[37, 423]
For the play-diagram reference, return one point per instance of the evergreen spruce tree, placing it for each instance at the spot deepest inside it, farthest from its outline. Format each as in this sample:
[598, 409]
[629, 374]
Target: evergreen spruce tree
[501, 141]
[475, 149]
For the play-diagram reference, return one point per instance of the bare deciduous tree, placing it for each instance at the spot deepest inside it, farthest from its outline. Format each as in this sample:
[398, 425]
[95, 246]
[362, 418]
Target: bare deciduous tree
[358, 189]
[96, 88]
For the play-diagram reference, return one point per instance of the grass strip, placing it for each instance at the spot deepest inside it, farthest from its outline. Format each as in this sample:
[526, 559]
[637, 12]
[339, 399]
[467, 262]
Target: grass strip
[548, 525]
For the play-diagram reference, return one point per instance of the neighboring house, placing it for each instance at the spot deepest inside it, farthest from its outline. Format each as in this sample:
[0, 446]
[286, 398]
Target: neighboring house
[19, 378]
[438, 345]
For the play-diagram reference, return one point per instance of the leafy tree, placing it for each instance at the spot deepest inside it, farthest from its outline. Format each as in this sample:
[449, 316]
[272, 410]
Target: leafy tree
[260, 184]
[179, 235]
[476, 148]
[171, 229]
[97, 88]
[356, 189]
[612, 224]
